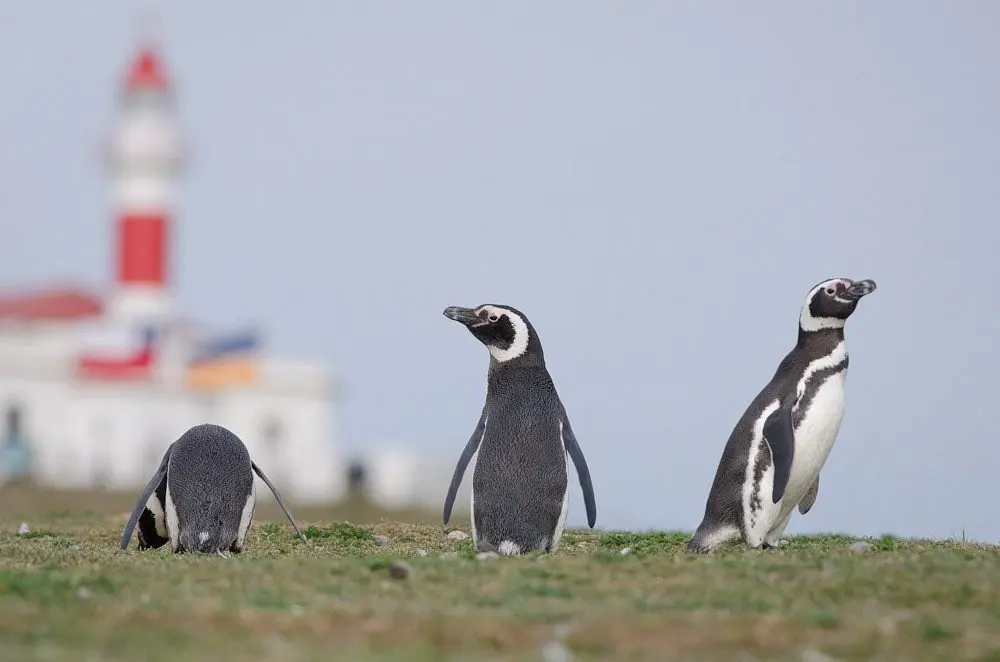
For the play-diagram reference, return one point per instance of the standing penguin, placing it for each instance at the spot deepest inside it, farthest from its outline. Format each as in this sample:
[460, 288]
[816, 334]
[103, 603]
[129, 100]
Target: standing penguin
[520, 487]
[772, 461]
[201, 498]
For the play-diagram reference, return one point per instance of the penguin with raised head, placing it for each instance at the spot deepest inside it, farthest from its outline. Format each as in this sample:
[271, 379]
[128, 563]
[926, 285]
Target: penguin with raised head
[201, 498]
[520, 485]
[772, 461]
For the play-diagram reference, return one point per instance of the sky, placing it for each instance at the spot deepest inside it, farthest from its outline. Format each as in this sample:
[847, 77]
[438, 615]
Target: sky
[656, 185]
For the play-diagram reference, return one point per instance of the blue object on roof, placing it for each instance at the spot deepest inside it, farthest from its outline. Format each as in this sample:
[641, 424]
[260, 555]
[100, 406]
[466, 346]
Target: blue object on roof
[221, 346]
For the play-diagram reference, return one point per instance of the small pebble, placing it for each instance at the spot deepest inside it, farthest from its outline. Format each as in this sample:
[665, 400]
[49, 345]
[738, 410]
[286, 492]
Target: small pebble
[83, 593]
[379, 541]
[483, 556]
[625, 551]
[420, 552]
[458, 535]
[860, 546]
[23, 529]
[399, 570]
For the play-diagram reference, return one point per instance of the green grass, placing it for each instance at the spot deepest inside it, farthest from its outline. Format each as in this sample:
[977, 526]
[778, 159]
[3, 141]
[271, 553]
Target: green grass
[68, 593]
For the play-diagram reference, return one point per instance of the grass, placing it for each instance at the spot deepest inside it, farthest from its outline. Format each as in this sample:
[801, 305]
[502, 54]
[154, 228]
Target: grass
[68, 593]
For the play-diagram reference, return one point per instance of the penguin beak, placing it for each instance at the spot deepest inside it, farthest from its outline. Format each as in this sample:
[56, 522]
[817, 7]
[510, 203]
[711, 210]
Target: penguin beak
[859, 289]
[466, 316]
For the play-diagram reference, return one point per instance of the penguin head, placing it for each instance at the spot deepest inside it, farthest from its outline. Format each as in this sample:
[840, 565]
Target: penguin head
[831, 302]
[505, 331]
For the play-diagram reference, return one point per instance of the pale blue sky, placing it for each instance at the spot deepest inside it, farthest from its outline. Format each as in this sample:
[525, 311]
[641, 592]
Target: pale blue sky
[655, 184]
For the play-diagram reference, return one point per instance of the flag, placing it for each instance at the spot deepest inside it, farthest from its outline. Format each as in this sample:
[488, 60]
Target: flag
[224, 361]
[117, 353]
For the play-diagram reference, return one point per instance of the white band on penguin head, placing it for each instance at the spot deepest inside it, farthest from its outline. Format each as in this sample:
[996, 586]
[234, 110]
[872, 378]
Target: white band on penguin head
[519, 345]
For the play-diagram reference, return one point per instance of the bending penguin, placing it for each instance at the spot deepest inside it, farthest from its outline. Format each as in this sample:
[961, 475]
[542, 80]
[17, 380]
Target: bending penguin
[772, 461]
[201, 498]
[520, 486]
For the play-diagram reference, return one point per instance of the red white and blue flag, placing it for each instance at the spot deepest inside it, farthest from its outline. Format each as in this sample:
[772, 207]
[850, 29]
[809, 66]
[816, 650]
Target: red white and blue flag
[117, 353]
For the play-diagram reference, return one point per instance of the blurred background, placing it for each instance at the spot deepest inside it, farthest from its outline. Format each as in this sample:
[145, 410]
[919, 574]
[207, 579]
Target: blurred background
[253, 214]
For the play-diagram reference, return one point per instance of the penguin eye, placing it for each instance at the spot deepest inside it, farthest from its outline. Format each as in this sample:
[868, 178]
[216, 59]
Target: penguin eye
[831, 290]
[494, 317]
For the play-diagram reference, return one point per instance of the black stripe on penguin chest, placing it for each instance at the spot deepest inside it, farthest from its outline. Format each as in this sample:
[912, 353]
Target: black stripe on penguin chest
[813, 385]
[802, 406]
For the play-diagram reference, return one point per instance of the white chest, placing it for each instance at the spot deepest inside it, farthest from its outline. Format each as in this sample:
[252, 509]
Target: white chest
[816, 433]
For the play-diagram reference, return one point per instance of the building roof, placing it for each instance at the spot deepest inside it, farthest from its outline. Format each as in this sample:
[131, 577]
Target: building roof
[146, 72]
[51, 305]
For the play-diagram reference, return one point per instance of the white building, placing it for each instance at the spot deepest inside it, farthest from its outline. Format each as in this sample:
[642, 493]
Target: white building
[400, 476]
[96, 386]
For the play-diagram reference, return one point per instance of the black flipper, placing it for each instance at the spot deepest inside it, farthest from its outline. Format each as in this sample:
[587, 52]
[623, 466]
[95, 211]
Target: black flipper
[158, 477]
[278, 498]
[780, 437]
[576, 454]
[463, 461]
[810, 498]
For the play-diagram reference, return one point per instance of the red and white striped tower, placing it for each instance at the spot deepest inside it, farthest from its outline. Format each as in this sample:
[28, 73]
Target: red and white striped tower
[145, 157]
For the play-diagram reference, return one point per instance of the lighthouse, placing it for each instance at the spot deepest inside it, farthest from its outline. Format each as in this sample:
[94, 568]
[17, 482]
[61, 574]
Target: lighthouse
[145, 159]
[95, 385]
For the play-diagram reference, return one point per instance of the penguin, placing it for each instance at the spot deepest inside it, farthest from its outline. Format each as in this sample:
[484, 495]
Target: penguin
[520, 487]
[202, 496]
[772, 461]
